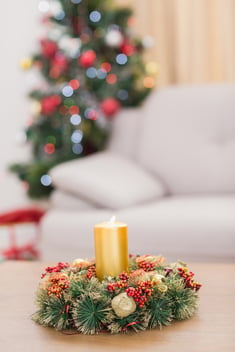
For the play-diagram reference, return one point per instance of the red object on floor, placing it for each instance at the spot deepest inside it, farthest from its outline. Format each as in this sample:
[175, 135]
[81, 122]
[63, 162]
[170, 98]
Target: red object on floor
[20, 216]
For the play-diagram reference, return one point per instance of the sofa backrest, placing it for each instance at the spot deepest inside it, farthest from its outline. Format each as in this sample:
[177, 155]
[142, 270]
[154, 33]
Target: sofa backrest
[125, 132]
[186, 136]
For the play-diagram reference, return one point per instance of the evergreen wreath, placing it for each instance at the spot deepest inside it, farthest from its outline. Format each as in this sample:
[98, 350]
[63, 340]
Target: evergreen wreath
[151, 295]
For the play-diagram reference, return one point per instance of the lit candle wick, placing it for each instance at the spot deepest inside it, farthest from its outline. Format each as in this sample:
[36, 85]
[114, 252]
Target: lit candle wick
[112, 220]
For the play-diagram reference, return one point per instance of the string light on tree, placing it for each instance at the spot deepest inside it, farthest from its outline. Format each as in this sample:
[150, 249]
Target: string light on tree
[121, 59]
[106, 66]
[44, 6]
[95, 16]
[75, 120]
[74, 83]
[77, 148]
[149, 82]
[67, 91]
[114, 38]
[74, 109]
[152, 68]
[101, 74]
[70, 46]
[46, 180]
[76, 1]
[77, 136]
[91, 72]
[111, 78]
[49, 148]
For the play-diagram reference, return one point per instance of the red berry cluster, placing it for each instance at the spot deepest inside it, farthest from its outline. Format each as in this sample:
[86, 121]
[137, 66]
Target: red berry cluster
[57, 283]
[55, 269]
[146, 266]
[188, 279]
[123, 276]
[141, 293]
[113, 286]
[122, 283]
[91, 272]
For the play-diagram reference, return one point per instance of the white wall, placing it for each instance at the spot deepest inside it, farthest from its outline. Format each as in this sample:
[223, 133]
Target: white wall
[19, 28]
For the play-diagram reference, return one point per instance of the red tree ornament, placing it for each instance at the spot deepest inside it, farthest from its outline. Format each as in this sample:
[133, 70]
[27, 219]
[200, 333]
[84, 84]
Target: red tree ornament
[50, 104]
[127, 48]
[110, 106]
[60, 61]
[48, 48]
[59, 65]
[87, 58]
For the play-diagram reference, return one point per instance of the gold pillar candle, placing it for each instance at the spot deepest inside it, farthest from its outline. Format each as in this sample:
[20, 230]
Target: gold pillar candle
[111, 248]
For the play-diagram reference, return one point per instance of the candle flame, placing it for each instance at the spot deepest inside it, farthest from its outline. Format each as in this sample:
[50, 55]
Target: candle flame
[113, 219]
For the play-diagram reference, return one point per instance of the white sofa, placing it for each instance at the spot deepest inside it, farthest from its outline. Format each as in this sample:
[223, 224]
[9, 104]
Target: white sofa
[168, 172]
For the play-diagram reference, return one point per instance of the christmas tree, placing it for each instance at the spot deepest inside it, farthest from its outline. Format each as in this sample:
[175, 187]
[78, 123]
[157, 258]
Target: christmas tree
[91, 65]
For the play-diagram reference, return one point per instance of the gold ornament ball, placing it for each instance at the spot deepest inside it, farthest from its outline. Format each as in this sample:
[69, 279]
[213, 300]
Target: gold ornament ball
[81, 263]
[157, 278]
[162, 288]
[123, 305]
[138, 275]
[77, 261]
[26, 63]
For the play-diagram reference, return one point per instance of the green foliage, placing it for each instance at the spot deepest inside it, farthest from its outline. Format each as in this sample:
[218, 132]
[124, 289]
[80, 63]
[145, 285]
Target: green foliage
[90, 314]
[137, 321]
[54, 312]
[184, 301]
[80, 285]
[58, 61]
[160, 312]
[31, 174]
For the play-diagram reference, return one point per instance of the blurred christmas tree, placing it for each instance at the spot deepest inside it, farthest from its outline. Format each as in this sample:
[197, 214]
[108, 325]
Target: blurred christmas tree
[91, 66]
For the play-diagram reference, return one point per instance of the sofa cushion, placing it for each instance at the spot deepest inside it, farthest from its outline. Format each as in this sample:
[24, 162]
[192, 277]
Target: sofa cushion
[108, 180]
[125, 129]
[187, 227]
[67, 201]
[188, 138]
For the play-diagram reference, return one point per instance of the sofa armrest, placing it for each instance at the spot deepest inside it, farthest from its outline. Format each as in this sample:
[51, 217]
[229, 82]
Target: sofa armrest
[107, 180]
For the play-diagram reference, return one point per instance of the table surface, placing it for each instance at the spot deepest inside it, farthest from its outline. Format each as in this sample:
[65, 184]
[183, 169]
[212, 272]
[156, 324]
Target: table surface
[211, 329]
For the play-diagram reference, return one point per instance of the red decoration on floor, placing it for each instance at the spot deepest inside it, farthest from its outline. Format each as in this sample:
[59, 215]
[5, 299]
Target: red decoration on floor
[16, 217]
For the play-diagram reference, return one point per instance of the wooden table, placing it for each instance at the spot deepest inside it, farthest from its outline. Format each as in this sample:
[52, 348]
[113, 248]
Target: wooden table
[212, 329]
